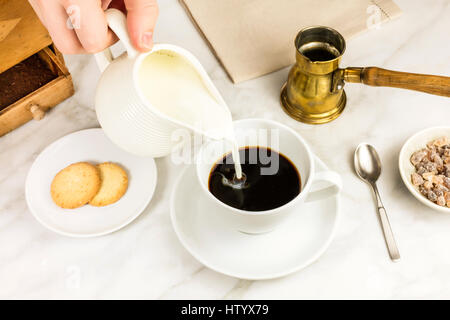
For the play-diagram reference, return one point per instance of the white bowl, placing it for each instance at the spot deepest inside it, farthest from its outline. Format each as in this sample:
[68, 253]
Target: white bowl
[417, 142]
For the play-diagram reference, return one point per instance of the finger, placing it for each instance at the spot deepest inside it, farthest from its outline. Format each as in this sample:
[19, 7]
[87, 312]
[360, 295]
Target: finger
[89, 23]
[55, 19]
[141, 20]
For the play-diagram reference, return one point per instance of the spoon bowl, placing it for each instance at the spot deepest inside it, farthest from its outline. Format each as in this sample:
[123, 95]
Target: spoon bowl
[367, 163]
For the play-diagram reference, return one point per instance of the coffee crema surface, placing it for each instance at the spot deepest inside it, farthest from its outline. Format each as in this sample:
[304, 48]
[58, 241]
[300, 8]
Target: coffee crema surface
[271, 180]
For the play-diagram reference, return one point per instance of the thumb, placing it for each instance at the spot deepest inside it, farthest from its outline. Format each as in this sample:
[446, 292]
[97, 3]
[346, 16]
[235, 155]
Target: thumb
[141, 20]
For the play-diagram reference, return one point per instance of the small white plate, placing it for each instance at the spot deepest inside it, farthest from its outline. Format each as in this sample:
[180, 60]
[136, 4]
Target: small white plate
[92, 146]
[417, 142]
[293, 245]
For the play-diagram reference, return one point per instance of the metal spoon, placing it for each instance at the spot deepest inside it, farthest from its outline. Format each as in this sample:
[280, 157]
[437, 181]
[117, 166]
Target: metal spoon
[368, 168]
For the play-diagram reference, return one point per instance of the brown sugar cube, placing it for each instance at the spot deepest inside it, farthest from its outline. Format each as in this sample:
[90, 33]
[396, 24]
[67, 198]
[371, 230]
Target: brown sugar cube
[440, 142]
[438, 180]
[416, 179]
[418, 156]
[428, 176]
[428, 185]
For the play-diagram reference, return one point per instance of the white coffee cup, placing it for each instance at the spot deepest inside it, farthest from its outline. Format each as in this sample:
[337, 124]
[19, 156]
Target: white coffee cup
[284, 140]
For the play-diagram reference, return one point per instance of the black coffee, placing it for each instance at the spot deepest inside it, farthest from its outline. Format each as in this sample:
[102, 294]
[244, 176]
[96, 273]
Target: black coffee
[319, 54]
[271, 180]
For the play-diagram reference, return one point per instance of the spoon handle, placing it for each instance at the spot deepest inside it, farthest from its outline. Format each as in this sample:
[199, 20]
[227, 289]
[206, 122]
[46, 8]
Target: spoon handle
[385, 225]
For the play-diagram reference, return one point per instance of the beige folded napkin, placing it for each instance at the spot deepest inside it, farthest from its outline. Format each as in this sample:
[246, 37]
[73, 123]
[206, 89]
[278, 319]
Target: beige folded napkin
[254, 37]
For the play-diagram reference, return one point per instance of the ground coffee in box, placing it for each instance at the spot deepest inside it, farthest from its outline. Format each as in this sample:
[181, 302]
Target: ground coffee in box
[22, 79]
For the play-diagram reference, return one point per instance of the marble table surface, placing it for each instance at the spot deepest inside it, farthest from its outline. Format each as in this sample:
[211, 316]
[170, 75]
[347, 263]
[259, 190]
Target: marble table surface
[146, 261]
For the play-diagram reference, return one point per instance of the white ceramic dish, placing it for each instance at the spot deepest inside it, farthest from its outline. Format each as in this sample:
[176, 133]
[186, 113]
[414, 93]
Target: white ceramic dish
[88, 145]
[296, 243]
[417, 142]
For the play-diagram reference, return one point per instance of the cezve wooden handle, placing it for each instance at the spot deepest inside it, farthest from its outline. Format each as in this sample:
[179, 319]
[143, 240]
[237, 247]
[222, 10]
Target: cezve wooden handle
[378, 77]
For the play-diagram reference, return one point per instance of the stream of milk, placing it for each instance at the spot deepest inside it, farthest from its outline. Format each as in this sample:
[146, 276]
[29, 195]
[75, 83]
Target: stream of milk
[173, 86]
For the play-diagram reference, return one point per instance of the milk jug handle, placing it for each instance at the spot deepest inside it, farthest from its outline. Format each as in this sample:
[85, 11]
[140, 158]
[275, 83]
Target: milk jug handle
[117, 21]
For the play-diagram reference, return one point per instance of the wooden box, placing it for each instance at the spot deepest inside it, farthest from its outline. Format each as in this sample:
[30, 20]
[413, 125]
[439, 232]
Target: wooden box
[33, 76]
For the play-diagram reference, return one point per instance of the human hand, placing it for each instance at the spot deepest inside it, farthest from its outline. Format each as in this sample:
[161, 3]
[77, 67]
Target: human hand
[87, 31]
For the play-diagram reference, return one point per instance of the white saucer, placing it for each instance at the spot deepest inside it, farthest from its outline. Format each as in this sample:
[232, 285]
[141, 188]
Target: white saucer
[93, 146]
[295, 244]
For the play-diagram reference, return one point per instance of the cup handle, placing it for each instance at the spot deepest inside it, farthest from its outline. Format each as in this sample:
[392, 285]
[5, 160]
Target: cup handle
[333, 186]
[117, 21]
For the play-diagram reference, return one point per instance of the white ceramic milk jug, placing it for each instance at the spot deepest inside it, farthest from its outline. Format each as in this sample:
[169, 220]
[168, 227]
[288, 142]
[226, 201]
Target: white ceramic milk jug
[126, 116]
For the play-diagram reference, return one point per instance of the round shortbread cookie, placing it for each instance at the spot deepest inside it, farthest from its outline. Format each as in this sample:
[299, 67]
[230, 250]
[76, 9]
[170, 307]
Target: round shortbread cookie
[75, 185]
[113, 186]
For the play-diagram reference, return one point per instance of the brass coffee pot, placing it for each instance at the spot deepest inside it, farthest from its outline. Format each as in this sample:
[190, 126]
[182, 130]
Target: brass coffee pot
[314, 92]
